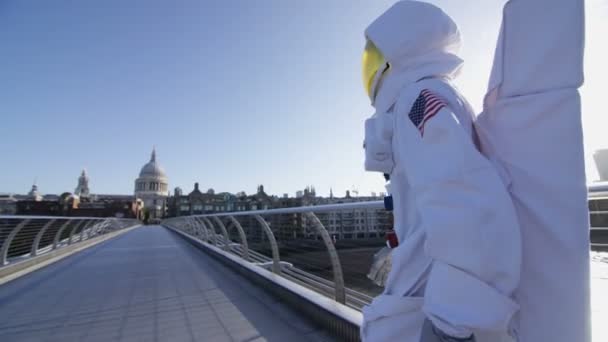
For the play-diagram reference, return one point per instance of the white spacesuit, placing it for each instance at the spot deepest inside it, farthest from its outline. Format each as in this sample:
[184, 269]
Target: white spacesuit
[459, 254]
[531, 125]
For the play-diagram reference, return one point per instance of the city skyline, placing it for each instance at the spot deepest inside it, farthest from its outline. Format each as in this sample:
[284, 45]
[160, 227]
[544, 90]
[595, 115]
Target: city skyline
[229, 100]
[170, 191]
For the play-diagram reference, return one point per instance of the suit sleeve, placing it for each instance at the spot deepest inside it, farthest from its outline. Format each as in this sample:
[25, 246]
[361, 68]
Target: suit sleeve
[471, 229]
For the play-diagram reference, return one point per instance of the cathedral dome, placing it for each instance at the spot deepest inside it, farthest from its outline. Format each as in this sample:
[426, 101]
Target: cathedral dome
[152, 188]
[152, 168]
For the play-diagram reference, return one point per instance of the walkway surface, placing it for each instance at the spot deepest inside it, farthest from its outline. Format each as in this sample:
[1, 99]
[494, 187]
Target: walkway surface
[145, 285]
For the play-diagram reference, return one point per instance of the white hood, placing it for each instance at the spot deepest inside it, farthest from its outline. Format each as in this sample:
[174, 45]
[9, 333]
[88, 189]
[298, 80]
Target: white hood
[418, 40]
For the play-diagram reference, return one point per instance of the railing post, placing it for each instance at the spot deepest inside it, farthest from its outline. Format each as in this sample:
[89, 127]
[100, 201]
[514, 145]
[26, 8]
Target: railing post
[9, 239]
[80, 224]
[183, 225]
[340, 294]
[193, 227]
[59, 232]
[210, 224]
[203, 228]
[276, 260]
[224, 232]
[110, 225]
[36, 243]
[82, 229]
[88, 226]
[186, 225]
[179, 225]
[245, 254]
[95, 228]
[103, 228]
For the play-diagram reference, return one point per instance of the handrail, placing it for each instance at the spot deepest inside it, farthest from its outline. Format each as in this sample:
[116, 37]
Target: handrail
[242, 236]
[333, 257]
[202, 227]
[60, 232]
[7, 243]
[30, 236]
[36, 243]
[224, 232]
[183, 224]
[81, 225]
[210, 226]
[301, 210]
[274, 247]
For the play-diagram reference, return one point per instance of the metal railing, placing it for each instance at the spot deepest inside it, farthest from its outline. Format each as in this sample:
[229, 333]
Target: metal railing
[214, 229]
[23, 237]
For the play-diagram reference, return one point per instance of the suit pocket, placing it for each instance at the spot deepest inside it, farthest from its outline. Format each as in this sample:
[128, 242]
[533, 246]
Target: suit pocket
[378, 143]
[393, 318]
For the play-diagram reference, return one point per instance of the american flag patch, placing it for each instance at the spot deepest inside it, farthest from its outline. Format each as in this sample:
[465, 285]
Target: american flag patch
[425, 107]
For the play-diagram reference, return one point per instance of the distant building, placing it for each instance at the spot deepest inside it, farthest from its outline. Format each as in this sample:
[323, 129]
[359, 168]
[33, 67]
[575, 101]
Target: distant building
[8, 204]
[354, 223]
[152, 188]
[197, 202]
[40, 208]
[288, 227]
[345, 224]
[82, 189]
[122, 206]
[34, 195]
[67, 204]
[50, 197]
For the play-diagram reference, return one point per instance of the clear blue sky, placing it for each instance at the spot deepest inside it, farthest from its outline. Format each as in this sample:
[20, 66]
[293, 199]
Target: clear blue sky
[232, 93]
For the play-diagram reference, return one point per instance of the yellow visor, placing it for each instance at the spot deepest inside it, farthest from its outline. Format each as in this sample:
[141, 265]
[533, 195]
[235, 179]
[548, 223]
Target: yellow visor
[372, 61]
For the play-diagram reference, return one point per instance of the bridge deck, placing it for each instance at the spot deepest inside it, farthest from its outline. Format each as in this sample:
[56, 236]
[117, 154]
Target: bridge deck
[146, 285]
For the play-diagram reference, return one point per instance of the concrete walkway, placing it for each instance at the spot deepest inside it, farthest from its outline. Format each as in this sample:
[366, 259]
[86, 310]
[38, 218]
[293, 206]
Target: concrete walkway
[145, 285]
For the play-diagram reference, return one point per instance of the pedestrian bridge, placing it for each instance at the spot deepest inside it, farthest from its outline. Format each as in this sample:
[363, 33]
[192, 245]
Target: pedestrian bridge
[223, 277]
[147, 284]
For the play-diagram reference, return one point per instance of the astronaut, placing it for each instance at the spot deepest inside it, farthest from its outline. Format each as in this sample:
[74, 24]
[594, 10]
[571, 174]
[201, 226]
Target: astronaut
[457, 264]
